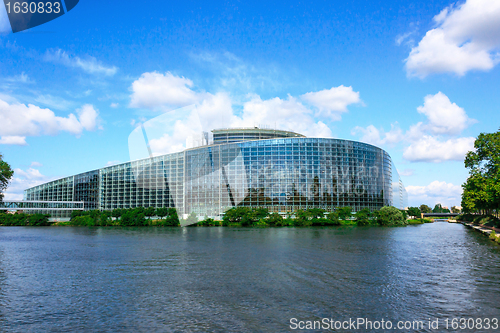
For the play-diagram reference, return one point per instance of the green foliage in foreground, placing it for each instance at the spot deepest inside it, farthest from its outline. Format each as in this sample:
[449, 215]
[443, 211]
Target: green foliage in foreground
[495, 237]
[6, 174]
[487, 220]
[235, 217]
[482, 189]
[133, 217]
[390, 216]
[419, 221]
[259, 217]
[24, 219]
[414, 212]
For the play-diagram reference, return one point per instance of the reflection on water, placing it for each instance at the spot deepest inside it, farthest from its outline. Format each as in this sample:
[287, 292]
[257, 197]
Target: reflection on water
[237, 279]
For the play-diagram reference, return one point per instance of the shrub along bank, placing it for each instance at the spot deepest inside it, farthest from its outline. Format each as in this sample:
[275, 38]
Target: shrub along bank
[495, 237]
[133, 217]
[235, 217]
[24, 219]
[487, 220]
[260, 217]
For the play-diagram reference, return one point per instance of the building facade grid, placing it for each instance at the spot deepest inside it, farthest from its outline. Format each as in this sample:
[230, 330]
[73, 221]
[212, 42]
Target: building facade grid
[281, 174]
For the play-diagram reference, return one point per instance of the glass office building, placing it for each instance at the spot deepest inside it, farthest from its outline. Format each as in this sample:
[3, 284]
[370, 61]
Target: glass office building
[280, 170]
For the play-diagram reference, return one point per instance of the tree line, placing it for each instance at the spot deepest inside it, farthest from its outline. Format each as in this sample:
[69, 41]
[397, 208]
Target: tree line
[261, 217]
[481, 191]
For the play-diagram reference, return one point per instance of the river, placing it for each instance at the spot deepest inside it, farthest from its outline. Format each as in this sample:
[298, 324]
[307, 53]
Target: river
[243, 279]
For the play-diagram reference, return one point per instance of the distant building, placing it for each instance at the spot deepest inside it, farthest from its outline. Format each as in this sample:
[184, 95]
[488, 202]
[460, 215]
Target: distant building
[280, 170]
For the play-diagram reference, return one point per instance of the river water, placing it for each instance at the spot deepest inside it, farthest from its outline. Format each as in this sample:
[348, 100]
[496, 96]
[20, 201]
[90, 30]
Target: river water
[243, 279]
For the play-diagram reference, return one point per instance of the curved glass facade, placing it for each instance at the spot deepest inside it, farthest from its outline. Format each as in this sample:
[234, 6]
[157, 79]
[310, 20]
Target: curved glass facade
[282, 174]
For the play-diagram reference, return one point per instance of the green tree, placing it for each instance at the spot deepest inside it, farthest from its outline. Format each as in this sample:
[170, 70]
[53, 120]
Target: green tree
[117, 212]
[302, 218]
[455, 209]
[275, 219]
[362, 217]
[333, 217]
[150, 211]
[162, 212]
[235, 215]
[438, 208]
[482, 189]
[344, 213]
[6, 174]
[414, 211]
[390, 216]
[425, 209]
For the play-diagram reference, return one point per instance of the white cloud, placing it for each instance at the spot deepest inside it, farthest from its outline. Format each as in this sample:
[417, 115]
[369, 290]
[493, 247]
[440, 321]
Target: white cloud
[215, 111]
[467, 37]
[90, 65]
[22, 180]
[425, 139]
[332, 102]
[20, 120]
[431, 149]
[155, 90]
[447, 194]
[21, 78]
[209, 111]
[377, 137]
[114, 105]
[88, 117]
[287, 114]
[13, 140]
[53, 102]
[36, 164]
[170, 143]
[444, 117]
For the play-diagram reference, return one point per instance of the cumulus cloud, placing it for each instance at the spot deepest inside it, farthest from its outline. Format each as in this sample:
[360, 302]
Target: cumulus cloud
[13, 140]
[332, 102]
[22, 180]
[286, 113]
[216, 111]
[444, 117]
[379, 137]
[436, 192]
[209, 111]
[19, 120]
[428, 141]
[88, 117]
[90, 65]
[467, 37]
[431, 149]
[155, 90]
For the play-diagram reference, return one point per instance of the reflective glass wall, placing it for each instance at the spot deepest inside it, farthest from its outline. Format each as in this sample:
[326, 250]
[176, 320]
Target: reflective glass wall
[281, 174]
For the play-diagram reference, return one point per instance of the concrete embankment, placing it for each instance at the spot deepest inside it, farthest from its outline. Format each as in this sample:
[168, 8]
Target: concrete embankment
[483, 229]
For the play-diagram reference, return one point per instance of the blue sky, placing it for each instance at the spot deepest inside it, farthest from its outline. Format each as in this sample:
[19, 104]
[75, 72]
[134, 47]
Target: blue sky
[418, 78]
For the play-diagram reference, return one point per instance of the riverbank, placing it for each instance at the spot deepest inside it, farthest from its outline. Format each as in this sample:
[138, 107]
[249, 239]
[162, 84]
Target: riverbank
[493, 233]
[234, 217]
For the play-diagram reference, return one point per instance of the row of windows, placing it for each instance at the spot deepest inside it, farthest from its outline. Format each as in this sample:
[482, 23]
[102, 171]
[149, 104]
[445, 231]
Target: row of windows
[336, 168]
